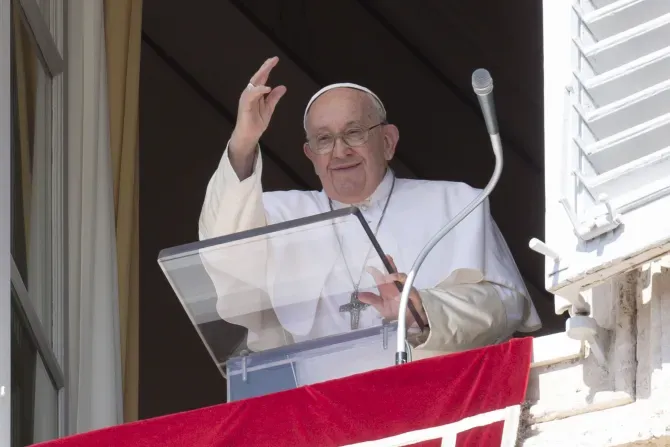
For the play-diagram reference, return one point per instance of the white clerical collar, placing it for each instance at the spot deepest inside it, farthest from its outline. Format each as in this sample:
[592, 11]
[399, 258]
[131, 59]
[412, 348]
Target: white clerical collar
[380, 195]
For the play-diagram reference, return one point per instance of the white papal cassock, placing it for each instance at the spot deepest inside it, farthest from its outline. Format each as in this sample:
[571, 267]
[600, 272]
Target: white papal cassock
[469, 284]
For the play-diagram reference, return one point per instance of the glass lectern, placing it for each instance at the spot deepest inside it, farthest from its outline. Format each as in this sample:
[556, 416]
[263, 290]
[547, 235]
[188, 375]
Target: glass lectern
[277, 307]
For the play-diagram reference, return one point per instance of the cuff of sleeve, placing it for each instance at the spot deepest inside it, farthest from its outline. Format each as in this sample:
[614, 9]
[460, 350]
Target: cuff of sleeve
[229, 173]
[463, 317]
[241, 199]
[423, 339]
[417, 337]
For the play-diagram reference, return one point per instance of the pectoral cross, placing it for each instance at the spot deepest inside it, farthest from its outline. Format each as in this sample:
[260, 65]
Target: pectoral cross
[354, 308]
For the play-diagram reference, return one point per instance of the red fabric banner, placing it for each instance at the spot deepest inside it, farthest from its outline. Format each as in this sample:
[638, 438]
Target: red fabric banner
[417, 396]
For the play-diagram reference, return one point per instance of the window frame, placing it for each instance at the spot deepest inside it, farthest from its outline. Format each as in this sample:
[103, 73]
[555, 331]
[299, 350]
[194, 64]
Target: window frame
[5, 225]
[46, 23]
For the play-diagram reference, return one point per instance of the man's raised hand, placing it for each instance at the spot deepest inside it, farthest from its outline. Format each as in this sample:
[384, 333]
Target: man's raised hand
[256, 105]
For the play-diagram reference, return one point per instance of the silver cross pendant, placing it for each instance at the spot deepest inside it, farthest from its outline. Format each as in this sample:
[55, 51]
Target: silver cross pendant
[354, 308]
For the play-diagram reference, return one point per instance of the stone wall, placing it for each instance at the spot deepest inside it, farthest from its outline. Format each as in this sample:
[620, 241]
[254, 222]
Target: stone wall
[573, 400]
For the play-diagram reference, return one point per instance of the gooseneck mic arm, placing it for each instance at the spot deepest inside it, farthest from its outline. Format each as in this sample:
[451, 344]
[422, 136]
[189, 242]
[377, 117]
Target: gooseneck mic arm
[482, 84]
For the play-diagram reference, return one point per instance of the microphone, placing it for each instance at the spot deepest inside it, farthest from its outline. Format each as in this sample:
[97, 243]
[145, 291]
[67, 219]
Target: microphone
[482, 84]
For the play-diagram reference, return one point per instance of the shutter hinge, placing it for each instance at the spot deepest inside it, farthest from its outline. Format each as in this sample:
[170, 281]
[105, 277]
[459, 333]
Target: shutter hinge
[596, 226]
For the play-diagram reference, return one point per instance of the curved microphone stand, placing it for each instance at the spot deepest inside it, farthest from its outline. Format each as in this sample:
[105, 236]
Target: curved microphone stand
[483, 87]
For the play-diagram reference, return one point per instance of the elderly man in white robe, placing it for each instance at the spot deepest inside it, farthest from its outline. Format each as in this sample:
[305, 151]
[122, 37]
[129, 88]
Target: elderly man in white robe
[468, 292]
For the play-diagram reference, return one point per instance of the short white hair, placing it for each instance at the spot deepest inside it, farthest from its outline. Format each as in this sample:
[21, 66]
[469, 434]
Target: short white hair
[380, 110]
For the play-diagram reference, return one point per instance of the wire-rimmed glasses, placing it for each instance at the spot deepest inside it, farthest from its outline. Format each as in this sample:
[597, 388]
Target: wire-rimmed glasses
[352, 137]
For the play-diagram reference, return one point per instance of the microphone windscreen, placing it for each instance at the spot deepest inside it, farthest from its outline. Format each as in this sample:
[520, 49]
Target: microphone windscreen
[482, 82]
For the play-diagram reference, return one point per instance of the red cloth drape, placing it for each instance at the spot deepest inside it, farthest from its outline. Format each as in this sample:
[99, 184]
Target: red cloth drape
[369, 406]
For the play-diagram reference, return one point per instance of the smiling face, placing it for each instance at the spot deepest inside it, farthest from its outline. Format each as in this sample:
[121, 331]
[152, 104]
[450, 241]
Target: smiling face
[349, 174]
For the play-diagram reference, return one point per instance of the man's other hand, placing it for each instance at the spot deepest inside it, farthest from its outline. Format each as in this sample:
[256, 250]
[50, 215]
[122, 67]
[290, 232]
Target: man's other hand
[387, 302]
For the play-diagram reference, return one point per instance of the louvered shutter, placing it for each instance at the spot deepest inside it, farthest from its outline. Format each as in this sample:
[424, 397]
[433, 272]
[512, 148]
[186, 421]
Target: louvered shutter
[607, 137]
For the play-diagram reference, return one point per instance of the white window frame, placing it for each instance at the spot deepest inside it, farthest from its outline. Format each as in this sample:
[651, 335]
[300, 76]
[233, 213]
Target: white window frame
[49, 37]
[5, 210]
[57, 28]
[625, 232]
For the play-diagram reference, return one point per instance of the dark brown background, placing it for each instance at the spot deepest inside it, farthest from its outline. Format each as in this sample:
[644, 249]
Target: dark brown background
[418, 57]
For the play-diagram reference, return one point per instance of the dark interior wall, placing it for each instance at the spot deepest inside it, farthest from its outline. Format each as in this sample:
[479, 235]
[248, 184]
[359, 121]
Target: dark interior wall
[176, 132]
[183, 133]
[196, 60]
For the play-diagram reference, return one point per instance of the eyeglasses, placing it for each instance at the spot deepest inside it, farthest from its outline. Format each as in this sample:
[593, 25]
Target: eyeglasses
[353, 136]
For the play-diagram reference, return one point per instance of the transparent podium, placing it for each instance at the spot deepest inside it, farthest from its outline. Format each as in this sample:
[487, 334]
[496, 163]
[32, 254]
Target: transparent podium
[277, 307]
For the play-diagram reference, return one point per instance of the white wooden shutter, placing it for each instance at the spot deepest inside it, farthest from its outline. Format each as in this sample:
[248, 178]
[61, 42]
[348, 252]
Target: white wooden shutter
[607, 137]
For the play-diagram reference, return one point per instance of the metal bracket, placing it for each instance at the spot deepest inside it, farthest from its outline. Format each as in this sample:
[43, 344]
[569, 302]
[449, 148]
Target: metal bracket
[585, 329]
[385, 334]
[570, 298]
[571, 301]
[540, 247]
[580, 326]
[244, 355]
[596, 226]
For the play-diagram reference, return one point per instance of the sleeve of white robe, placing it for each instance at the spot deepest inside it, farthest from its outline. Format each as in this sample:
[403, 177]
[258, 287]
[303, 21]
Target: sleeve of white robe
[232, 205]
